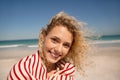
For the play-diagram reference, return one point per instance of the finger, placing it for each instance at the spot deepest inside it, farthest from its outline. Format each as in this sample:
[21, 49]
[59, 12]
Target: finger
[62, 62]
[60, 65]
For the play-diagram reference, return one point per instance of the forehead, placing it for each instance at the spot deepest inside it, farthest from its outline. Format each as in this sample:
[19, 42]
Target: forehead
[61, 32]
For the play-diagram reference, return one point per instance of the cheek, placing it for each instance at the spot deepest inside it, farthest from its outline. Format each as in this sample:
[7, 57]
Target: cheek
[47, 45]
[65, 52]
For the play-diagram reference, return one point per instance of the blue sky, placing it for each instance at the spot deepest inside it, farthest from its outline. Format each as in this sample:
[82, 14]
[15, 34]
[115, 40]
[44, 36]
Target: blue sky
[23, 19]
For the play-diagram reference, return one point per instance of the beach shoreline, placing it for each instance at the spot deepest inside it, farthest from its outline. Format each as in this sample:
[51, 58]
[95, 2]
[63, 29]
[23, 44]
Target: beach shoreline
[105, 62]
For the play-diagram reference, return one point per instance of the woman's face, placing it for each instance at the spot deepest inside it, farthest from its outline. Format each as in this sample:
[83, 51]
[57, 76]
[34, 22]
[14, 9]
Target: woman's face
[57, 43]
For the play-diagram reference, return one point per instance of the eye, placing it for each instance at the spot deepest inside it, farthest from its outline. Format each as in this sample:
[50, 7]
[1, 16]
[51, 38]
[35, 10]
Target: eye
[54, 40]
[66, 45]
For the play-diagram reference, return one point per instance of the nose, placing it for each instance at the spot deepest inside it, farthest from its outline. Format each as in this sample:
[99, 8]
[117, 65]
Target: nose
[58, 49]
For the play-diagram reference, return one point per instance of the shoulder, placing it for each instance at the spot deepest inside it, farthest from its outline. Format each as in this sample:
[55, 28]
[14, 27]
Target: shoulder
[24, 67]
[28, 60]
[33, 57]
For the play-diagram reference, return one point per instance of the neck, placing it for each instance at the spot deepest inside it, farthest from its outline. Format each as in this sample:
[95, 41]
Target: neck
[49, 66]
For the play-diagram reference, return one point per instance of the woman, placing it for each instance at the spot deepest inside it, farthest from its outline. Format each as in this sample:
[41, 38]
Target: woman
[61, 48]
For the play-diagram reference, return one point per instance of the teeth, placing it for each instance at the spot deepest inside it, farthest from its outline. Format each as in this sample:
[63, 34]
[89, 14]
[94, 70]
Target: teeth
[55, 55]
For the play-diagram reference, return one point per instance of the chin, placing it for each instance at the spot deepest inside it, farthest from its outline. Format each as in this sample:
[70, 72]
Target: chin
[52, 61]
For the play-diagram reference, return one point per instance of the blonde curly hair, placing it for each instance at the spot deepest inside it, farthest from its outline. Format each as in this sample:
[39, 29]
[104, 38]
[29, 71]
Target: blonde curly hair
[79, 46]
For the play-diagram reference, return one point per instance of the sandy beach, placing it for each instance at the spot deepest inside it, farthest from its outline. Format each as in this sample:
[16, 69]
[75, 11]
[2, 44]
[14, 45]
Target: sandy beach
[105, 66]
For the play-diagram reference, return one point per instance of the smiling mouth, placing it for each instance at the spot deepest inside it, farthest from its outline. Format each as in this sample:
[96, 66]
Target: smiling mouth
[55, 55]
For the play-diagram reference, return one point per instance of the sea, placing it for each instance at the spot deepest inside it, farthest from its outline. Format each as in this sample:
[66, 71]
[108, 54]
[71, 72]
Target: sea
[33, 43]
[30, 43]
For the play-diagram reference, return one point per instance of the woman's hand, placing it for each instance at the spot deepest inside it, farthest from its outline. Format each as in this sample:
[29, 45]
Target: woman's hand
[60, 65]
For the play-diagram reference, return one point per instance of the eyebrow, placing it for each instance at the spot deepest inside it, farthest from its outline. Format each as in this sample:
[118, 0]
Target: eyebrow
[56, 38]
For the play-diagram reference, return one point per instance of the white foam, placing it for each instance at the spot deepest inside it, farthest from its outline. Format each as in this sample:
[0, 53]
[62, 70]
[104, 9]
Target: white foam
[31, 46]
[11, 45]
[107, 41]
[8, 46]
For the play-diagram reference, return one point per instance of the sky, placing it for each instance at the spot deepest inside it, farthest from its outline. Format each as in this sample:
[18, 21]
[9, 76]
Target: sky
[23, 19]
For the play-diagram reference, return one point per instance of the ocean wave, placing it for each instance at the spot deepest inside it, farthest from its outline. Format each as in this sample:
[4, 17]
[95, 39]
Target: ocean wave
[9, 46]
[106, 41]
[31, 46]
[18, 45]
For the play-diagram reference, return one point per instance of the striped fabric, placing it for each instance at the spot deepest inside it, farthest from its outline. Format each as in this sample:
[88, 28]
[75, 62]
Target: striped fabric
[31, 68]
